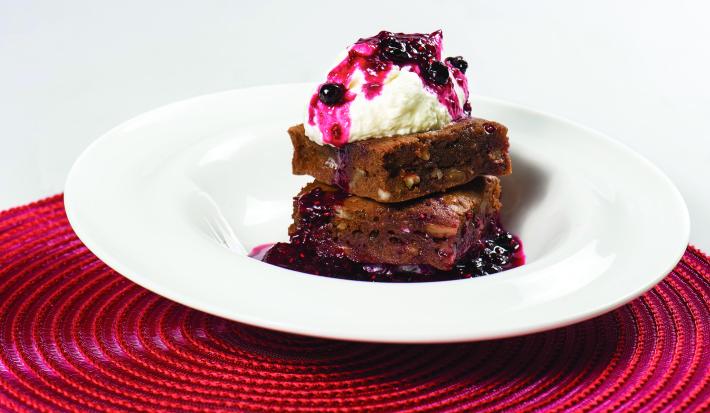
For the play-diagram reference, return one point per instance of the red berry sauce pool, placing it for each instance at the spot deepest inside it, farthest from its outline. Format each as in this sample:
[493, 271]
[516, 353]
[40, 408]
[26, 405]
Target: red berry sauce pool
[375, 57]
[496, 251]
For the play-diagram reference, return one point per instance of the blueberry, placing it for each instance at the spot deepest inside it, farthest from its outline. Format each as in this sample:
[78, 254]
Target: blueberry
[489, 128]
[478, 266]
[467, 108]
[505, 240]
[492, 268]
[499, 256]
[436, 72]
[458, 62]
[393, 49]
[331, 93]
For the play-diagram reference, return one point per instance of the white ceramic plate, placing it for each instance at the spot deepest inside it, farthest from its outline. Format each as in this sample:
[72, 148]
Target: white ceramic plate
[175, 198]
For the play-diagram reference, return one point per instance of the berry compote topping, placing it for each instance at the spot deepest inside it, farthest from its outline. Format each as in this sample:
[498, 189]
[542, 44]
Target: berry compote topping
[458, 62]
[341, 177]
[375, 57]
[316, 208]
[311, 252]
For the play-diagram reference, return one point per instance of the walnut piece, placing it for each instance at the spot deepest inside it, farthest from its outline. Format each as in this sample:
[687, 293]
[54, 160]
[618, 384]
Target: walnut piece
[411, 179]
[440, 231]
[383, 195]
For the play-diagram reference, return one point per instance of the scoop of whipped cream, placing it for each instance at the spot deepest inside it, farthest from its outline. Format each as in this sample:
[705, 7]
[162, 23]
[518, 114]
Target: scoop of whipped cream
[389, 84]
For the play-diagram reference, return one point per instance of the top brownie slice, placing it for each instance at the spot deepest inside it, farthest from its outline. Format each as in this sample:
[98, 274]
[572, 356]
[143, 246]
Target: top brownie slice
[400, 168]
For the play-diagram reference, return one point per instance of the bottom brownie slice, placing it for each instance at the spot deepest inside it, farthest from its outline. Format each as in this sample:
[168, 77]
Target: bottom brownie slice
[443, 236]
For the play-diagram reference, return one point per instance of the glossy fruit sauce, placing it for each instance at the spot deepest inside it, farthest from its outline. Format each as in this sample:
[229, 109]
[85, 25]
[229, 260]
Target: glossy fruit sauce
[496, 251]
[374, 57]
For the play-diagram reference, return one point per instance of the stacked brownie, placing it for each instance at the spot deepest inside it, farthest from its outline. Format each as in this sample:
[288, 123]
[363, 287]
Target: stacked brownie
[422, 206]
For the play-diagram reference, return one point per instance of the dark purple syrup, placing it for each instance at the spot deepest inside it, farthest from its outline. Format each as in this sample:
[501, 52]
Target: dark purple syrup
[374, 57]
[310, 250]
[341, 177]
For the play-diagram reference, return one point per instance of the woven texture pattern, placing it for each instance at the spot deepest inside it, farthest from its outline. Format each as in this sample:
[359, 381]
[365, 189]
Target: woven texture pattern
[75, 335]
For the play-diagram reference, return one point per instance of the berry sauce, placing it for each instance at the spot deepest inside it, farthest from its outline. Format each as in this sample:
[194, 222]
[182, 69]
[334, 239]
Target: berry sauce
[375, 57]
[341, 177]
[309, 251]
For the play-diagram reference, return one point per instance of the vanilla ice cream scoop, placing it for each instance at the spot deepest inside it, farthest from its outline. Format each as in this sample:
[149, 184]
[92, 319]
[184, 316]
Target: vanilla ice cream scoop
[389, 84]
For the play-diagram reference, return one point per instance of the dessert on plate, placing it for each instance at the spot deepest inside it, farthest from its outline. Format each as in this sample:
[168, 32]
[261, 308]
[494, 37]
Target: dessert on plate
[406, 185]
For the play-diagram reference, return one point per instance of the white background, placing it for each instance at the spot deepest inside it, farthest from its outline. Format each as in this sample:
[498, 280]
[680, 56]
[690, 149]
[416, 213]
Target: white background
[636, 70]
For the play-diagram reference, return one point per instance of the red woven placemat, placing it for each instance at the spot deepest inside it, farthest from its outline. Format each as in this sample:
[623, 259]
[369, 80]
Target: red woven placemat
[75, 335]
